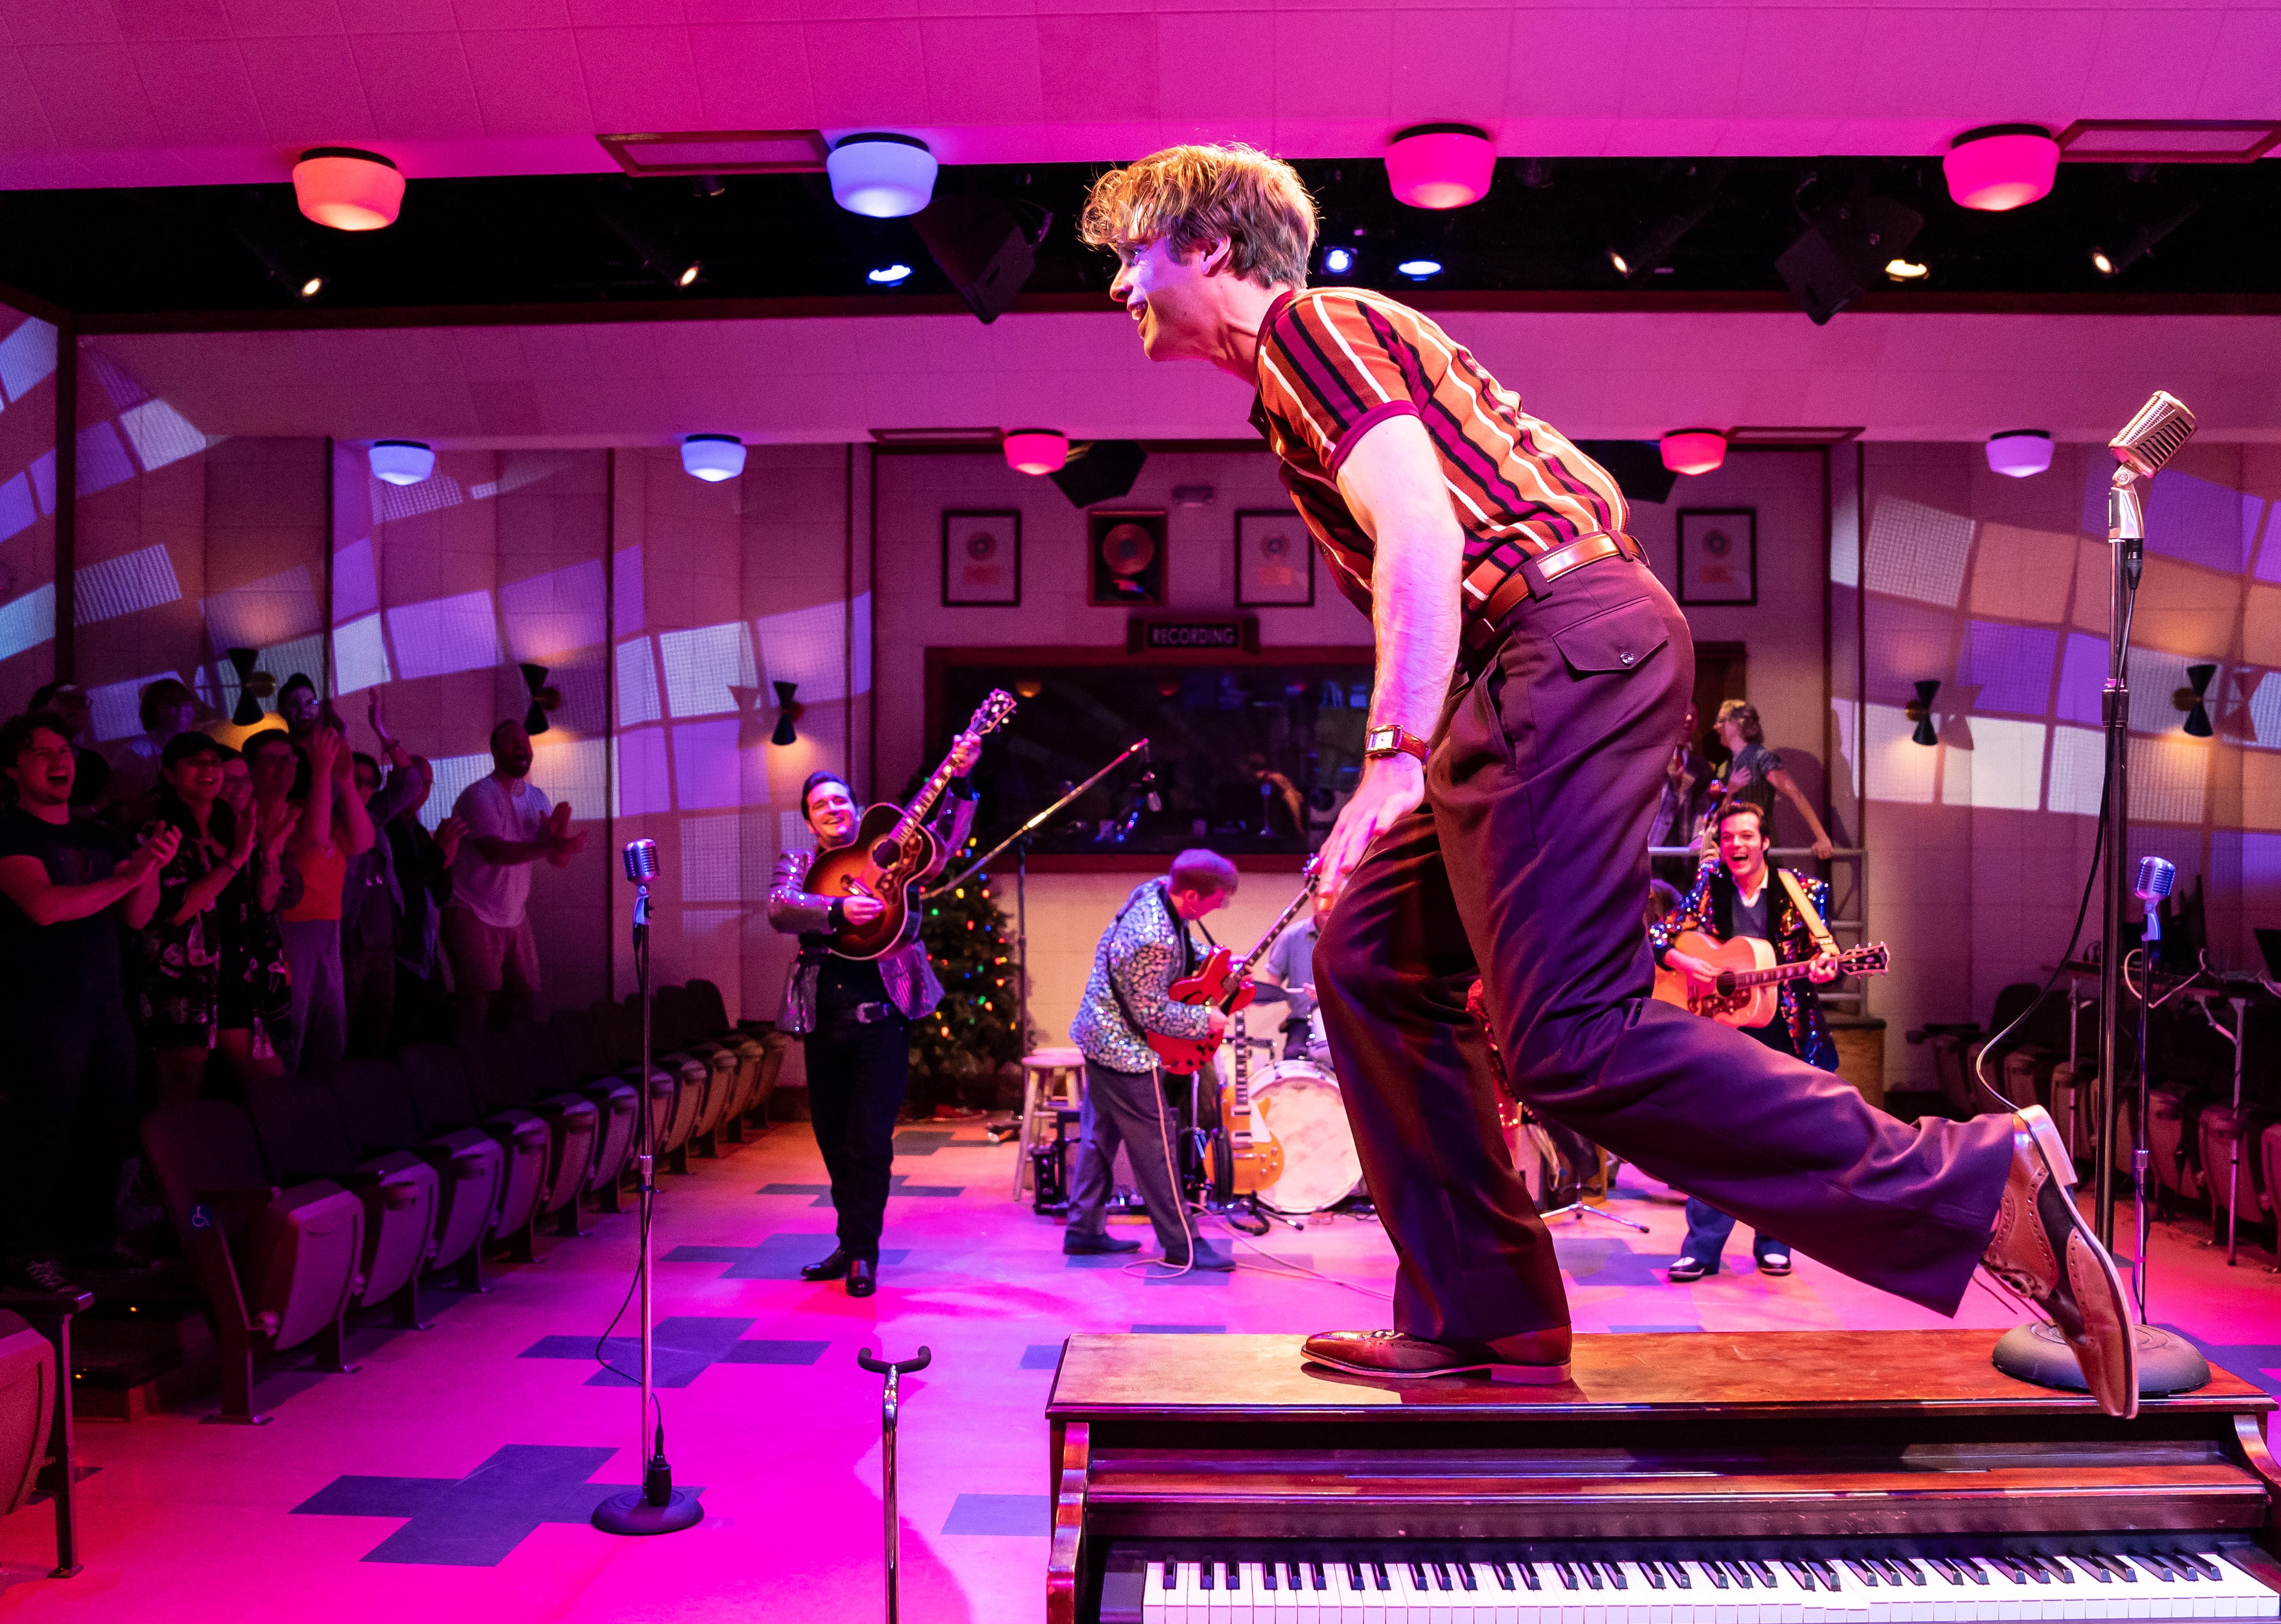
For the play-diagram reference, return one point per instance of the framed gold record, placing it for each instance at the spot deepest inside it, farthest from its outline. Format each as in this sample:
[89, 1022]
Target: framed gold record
[1126, 558]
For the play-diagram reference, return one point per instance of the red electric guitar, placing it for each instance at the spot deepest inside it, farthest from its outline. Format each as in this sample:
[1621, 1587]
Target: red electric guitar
[1224, 984]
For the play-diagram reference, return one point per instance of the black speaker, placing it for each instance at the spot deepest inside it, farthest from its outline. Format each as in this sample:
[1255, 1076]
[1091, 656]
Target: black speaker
[1099, 471]
[1638, 466]
[987, 245]
[1843, 253]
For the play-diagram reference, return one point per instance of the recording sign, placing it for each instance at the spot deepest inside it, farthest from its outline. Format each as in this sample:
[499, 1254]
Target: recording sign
[1227, 634]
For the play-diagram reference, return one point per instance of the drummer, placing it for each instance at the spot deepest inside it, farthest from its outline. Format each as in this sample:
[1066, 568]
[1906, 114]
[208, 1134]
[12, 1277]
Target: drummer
[1290, 964]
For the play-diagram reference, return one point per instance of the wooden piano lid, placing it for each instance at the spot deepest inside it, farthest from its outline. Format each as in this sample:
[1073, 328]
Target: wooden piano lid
[1737, 1373]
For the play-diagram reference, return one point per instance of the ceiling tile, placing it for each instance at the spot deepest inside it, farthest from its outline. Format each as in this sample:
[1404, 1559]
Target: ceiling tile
[1683, 64]
[641, 79]
[1813, 55]
[2037, 63]
[527, 81]
[199, 93]
[982, 70]
[1101, 69]
[308, 90]
[753, 76]
[867, 74]
[258, 19]
[1915, 64]
[1566, 64]
[173, 20]
[417, 86]
[742, 10]
[92, 95]
[1342, 70]
[2242, 69]
[2153, 65]
[399, 16]
[60, 22]
[1447, 66]
[626, 14]
[23, 123]
[476, 15]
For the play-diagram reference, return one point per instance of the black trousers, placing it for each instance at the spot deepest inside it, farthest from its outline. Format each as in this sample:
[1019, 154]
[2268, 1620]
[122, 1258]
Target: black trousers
[857, 1073]
[1528, 864]
[65, 1129]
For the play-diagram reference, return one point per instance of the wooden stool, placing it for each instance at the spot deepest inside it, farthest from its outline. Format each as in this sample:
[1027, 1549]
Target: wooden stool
[1052, 1080]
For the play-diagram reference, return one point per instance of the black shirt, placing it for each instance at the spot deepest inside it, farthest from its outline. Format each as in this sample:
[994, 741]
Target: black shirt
[842, 983]
[74, 965]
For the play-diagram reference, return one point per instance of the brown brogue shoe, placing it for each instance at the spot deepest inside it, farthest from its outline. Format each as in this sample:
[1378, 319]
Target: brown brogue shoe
[2043, 1251]
[1536, 1359]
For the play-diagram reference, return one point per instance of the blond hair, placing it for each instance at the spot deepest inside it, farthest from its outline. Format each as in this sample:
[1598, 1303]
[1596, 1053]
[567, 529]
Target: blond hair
[1195, 195]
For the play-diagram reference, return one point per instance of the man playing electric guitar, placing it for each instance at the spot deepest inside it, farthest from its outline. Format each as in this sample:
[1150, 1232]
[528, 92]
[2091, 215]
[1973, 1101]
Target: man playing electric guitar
[1146, 948]
[1738, 892]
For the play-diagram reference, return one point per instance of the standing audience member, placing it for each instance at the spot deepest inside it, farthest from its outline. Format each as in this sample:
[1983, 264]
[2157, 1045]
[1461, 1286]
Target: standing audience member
[487, 923]
[187, 1014]
[300, 709]
[422, 863]
[66, 1119]
[1686, 798]
[257, 983]
[332, 830]
[66, 702]
[168, 706]
[372, 902]
[1756, 774]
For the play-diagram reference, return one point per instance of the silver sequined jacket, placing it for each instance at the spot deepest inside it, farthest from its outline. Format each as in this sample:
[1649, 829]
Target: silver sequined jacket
[912, 986]
[1144, 949]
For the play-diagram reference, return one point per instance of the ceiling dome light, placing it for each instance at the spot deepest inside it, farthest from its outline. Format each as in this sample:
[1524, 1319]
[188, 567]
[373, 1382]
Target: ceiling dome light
[2001, 166]
[1419, 268]
[1906, 270]
[882, 176]
[1337, 261]
[402, 462]
[888, 275]
[1694, 450]
[2019, 452]
[1036, 451]
[713, 457]
[1440, 165]
[348, 188]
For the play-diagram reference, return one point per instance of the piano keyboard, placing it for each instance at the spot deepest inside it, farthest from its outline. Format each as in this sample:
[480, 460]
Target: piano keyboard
[1457, 1585]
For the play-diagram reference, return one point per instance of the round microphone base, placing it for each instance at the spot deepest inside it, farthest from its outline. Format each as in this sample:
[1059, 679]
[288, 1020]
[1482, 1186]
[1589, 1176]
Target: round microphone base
[2036, 1352]
[631, 1512]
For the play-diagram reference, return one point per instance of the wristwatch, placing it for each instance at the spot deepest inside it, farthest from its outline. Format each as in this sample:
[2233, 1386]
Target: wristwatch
[1393, 740]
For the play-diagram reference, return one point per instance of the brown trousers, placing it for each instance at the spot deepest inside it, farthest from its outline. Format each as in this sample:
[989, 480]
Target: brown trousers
[1528, 865]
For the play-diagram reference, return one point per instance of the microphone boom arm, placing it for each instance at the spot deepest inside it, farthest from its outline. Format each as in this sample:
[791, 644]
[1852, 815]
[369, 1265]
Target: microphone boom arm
[1037, 822]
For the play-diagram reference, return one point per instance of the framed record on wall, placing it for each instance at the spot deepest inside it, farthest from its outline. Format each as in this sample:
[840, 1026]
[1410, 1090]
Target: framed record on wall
[982, 558]
[1719, 556]
[1125, 553]
[1274, 560]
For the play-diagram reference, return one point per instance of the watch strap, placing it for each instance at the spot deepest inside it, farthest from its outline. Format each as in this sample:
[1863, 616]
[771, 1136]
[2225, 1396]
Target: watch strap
[1394, 740]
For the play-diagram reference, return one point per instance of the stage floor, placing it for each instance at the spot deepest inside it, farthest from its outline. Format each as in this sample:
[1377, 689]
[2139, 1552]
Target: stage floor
[448, 1478]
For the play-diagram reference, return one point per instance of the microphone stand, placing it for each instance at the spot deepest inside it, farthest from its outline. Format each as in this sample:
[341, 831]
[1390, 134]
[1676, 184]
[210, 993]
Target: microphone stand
[2126, 536]
[657, 1506]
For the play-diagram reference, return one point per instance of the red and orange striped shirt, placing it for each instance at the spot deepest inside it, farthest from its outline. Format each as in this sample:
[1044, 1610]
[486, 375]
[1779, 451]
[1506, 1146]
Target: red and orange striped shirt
[1335, 361]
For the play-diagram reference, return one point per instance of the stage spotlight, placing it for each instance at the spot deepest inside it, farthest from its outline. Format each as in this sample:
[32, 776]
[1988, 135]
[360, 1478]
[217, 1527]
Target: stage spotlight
[713, 457]
[1638, 466]
[1440, 165]
[2141, 242]
[987, 245]
[348, 188]
[884, 176]
[1419, 269]
[1099, 471]
[1036, 451]
[285, 258]
[689, 272]
[887, 275]
[2100, 263]
[653, 241]
[309, 287]
[1685, 200]
[1623, 267]
[2001, 166]
[1907, 270]
[2020, 453]
[401, 463]
[1694, 450]
[1920, 711]
[1338, 261]
[1844, 250]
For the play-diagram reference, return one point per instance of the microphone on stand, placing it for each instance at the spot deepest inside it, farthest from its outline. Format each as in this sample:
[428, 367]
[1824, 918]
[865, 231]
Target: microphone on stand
[641, 861]
[2151, 438]
[2156, 876]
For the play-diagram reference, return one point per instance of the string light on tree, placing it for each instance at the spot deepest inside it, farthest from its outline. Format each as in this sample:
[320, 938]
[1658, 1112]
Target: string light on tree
[976, 1031]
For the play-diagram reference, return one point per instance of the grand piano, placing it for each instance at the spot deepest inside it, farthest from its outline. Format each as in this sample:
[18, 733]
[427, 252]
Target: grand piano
[1883, 1477]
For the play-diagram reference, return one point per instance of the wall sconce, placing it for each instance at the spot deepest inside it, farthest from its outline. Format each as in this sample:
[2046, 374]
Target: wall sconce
[788, 711]
[1920, 711]
[542, 698]
[2192, 699]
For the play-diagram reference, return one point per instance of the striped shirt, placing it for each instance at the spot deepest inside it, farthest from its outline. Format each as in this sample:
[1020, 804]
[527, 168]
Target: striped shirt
[1335, 361]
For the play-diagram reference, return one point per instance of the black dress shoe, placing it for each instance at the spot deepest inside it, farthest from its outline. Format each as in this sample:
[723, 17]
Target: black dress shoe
[830, 1269]
[1077, 1243]
[860, 1280]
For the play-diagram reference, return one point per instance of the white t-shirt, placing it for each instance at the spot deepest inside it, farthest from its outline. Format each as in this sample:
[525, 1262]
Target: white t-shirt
[497, 893]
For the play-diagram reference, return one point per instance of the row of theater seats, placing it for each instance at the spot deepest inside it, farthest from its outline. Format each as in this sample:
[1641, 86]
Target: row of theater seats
[321, 1196]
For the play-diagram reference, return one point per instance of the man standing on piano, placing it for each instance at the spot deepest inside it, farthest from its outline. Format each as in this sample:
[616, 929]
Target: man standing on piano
[1531, 673]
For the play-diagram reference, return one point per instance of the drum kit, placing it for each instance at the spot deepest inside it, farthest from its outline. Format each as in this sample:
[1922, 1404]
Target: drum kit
[1297, 1100]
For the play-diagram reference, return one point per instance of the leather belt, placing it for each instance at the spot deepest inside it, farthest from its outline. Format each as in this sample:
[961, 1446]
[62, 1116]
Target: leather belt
[1493, 591]
[863, 1015]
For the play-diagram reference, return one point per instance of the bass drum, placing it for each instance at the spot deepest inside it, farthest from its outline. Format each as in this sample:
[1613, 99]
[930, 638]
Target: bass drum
[1299, 1102]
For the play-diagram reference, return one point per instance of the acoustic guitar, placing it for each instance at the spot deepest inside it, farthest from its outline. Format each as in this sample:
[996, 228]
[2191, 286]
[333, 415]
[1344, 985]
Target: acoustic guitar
[893, 849]
[1748, 986]
[1224, 984]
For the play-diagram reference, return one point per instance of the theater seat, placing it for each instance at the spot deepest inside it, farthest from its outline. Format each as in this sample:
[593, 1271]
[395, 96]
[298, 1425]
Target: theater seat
[27, 1408]
[2232, 1189]
[298, 1122]
[496, 1079]
[543, 1055]
[438, 1083]
[470, 1169]
[620, 1025]
[696, 1017]
[280, 1266]
[672, 1033]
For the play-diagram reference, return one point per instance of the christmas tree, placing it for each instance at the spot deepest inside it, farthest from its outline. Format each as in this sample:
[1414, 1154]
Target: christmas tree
[976, 1031]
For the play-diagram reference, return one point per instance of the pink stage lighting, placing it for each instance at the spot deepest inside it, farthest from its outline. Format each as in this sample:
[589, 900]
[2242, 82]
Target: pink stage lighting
[347, 189]
[1694, 450]
[1036, 451]
[2001, 166]
[1440, 165]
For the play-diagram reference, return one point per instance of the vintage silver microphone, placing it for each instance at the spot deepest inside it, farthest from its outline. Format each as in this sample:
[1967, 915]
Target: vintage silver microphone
[641, 861]
[2153, 438]
[2156, 876]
